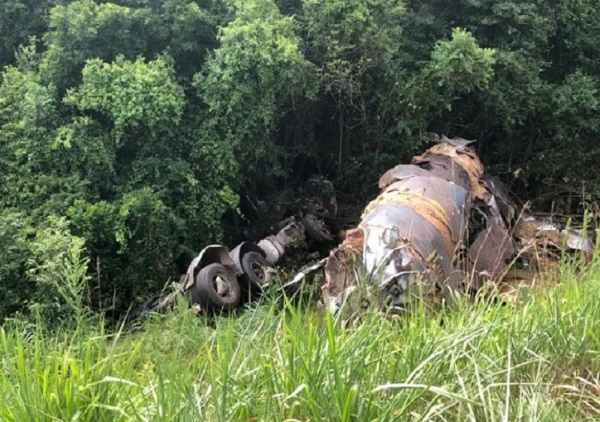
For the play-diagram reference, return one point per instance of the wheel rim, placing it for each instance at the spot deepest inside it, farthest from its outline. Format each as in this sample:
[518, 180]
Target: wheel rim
[259, 272]
[222, 286]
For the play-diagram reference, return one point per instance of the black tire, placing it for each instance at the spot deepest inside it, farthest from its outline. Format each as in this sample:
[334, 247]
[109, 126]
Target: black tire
[316, 229]
[216, 289]
[256, 270]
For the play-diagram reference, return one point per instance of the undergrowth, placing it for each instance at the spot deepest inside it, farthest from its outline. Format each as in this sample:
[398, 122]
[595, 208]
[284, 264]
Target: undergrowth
[538, 359]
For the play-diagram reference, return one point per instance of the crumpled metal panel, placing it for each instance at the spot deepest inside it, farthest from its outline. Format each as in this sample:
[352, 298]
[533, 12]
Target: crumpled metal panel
[493, 248]
[463, 157]
[403, 223]
[543, 241]
[453, 199]
[401, 172]
[505, 204]
[491, 253]
[416, 225]
[341, 264]
[445, 168]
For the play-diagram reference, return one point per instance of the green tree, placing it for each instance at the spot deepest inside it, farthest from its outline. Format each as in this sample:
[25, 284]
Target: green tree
[132, 94]
[137, 125]
[539, 46]
[247, 83]
[20, 20]
[14, 288]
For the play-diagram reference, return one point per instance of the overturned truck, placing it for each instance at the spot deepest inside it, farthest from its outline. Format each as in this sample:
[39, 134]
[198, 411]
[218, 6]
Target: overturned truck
[439, 228]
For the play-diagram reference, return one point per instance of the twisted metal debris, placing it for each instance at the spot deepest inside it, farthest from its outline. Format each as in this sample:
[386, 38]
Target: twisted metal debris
[439, 228]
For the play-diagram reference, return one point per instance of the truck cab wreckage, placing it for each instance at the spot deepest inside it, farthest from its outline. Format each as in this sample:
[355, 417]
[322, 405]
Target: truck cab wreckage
[440, 228]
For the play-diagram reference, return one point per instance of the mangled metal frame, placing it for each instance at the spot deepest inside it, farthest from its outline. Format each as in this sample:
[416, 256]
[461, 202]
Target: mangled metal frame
[411, 232]
[291, 233]
[439, 228]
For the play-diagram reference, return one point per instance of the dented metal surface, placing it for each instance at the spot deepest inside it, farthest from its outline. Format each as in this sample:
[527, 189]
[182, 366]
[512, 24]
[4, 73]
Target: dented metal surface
[441, 227]
[491, 253]
[410, 233]
[456, 163]
[491, 247]
[451, 198]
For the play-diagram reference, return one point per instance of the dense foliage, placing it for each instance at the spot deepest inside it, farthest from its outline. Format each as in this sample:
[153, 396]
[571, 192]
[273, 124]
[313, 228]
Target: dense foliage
[134, 127]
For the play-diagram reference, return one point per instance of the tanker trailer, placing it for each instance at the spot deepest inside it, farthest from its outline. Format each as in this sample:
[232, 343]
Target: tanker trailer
[437, 229]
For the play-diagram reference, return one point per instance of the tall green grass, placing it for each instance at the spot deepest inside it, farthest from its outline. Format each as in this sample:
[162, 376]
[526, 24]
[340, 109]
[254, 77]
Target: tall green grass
[536, 360]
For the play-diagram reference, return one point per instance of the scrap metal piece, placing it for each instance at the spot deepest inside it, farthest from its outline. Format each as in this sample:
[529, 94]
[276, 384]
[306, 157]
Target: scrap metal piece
[275, 246]
[543, 241]
[342, 262]
[463, 157]
[492, 248]
[505, 204]
[577, 240]
[531, 230]
[304, 274]
[401, 172]
[491, 253]
[446, 168]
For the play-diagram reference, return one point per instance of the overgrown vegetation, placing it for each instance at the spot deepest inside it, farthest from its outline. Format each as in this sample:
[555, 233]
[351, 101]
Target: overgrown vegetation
[137, 126]
[131, 131]
[536, 360]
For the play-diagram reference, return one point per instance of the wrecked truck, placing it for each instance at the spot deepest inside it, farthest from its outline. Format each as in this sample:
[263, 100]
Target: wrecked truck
[220, 280]
[439, 228]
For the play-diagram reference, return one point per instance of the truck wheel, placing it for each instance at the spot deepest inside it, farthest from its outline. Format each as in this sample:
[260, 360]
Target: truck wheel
[256, 271]
[216, 289]
[316, 229]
